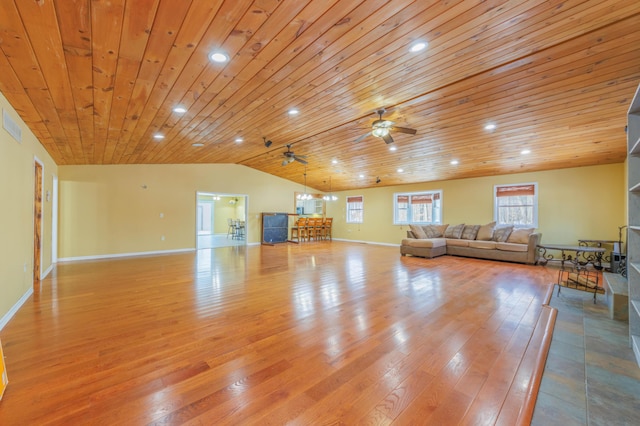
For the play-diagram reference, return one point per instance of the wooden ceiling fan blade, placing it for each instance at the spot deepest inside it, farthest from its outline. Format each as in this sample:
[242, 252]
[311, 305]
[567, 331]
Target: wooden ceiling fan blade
[362, 137]
[404, 130]
[299, 160]
[387, 138]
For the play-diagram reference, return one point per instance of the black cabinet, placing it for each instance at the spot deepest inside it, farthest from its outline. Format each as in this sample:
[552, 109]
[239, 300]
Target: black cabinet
[275, 228]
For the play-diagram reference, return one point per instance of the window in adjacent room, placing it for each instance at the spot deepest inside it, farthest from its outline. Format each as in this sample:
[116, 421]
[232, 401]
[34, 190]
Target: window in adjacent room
[516, 204]
[417, 207]
[355, 209]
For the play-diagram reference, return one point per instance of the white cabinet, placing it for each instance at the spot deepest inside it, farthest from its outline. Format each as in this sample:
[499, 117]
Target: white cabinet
[633, 243]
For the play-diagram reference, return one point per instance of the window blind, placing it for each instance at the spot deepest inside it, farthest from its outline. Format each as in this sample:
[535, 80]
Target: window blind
[515, 190]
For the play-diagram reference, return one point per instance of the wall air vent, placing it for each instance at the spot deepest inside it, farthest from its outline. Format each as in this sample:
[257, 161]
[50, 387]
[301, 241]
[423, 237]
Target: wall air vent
[11, 126]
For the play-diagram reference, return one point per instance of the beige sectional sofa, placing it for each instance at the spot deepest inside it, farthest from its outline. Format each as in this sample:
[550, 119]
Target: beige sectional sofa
[484, 242]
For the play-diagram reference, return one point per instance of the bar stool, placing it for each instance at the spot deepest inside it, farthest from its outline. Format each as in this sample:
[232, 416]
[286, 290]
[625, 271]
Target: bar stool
[326, 228]
[240, 227]
[232, 228]
[299, 230]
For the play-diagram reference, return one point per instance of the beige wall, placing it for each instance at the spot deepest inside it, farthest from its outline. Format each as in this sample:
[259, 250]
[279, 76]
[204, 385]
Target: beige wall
[106, 210]
[16, 214]
[576, 203]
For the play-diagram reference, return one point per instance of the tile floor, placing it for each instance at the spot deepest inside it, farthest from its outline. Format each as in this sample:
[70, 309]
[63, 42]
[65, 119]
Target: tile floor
[218, 240]
[591, 376]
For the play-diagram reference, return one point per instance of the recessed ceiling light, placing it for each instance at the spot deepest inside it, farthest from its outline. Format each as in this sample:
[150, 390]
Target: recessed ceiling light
[393, 148]
[293, 111]
[158, 136]
[490, 126]
[454, 162]
[334, 161]
[180, 110]
[239, 140]
[400, 170]
[361, 176]
[417, 46]
[525, 152]
[219, 56]
[197, 145]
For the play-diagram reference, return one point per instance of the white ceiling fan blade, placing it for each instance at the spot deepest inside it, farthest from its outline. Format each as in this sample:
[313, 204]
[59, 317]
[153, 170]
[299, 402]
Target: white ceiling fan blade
[362, 137]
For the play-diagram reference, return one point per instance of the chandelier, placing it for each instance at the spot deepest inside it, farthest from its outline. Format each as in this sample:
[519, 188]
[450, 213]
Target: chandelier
[330, 197]
[304, 196]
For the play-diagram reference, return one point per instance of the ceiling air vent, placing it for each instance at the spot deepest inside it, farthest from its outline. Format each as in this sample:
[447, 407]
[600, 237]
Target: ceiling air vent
[11, 126]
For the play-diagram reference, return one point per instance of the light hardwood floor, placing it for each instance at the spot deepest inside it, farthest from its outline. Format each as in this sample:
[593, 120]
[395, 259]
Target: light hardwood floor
[309, 334]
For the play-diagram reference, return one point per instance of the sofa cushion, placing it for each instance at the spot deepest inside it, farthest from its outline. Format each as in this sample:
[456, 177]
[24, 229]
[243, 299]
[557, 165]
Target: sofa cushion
[434, 231]
[483, 244]
[457, 242]
[454, 231]
[418, 232]
[511, 247]
[485, 233]
[426, 243]
[520, 235]
[470, 232]
[501, 233]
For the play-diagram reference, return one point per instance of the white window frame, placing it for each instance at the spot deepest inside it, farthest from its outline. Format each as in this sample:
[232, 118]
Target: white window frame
[535, 205]
[435, 207]
[351, 206]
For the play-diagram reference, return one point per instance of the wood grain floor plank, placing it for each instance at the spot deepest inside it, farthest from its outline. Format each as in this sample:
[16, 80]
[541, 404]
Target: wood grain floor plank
[330, 333]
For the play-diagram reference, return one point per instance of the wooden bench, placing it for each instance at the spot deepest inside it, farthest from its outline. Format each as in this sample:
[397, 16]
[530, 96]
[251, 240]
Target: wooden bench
[617, 293]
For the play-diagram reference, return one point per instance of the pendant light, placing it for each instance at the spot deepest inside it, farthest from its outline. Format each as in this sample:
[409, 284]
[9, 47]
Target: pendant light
[304, 196]
[330, 197]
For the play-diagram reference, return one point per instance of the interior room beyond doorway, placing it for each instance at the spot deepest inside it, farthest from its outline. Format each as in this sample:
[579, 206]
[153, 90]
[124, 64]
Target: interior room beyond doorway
[220, 220]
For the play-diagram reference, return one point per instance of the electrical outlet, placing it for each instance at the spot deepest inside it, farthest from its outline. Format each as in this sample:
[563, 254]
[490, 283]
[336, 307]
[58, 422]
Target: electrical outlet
[161, 215]
[25, 266]
[162, 238]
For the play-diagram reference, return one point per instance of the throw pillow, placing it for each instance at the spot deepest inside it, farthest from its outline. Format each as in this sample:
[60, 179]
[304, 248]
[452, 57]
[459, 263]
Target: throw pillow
[501, 233]
[418, 232]
[434, 231]
[454, 231]
[520, 235]
[470, 232]
[485, 233]
[431, 231]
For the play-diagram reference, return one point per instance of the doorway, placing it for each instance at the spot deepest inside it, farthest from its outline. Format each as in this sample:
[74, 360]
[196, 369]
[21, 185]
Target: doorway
[37, 220]
[220, 220]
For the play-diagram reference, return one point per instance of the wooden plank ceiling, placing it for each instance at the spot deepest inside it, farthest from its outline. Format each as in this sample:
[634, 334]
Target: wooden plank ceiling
[95, 80]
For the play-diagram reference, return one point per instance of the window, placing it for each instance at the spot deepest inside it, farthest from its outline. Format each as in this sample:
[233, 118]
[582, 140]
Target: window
[516, 204]
[417, 207]
[355, 209]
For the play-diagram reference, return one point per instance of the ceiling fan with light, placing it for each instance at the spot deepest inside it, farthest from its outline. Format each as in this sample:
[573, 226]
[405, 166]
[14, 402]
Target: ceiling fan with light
[382, 128]
[290, 157]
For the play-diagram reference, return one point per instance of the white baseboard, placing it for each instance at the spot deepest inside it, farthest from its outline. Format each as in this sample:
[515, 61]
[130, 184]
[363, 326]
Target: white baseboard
[366, 242]
[111, 256]
[5, 319]
[47, 272]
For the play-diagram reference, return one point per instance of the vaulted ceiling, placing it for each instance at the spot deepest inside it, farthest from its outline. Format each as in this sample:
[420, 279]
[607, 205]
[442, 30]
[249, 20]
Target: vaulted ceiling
[95, 80]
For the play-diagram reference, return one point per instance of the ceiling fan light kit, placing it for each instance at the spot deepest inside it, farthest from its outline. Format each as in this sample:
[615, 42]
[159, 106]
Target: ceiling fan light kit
[290, 157]
[382, 128]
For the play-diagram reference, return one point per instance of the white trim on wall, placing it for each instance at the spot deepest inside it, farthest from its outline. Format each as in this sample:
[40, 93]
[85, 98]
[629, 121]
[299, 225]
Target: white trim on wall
[7, 317]
[374, 243]
[111, 256]
[54, 221]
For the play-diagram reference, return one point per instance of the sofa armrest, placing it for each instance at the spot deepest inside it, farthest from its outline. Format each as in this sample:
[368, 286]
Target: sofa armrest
[532, 247]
